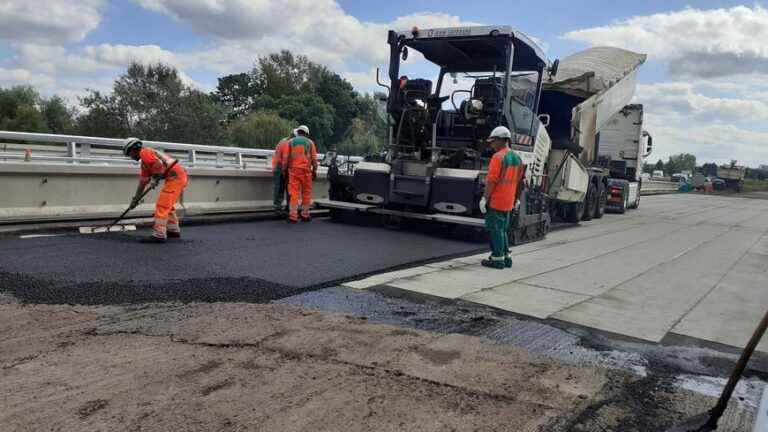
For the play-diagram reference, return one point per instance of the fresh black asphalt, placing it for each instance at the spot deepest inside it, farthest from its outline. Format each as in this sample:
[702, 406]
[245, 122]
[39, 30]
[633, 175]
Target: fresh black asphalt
[255, 262]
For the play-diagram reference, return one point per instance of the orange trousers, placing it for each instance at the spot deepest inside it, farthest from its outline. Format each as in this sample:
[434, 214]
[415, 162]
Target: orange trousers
[299, 185]
[165, 207]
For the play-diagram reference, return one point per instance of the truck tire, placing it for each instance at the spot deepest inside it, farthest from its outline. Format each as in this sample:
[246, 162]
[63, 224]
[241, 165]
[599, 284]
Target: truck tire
[602, 198]
[590, 202]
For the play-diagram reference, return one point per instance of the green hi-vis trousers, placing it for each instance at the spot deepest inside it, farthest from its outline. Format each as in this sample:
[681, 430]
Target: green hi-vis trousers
[278, 186]
[497, 224]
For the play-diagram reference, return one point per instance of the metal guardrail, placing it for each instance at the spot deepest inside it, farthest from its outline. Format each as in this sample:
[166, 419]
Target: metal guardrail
[657, 187]
[74, 149]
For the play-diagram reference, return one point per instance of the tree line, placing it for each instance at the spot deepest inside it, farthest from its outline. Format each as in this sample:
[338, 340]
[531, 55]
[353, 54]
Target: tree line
[687, 162]
[250, 109]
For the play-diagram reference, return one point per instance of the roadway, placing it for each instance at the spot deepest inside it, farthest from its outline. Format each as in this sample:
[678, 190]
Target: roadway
[251, 262]
[687, 266]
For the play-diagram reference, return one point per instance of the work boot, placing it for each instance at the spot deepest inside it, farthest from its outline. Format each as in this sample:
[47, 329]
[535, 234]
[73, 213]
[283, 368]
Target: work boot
[492, 264]
[152, 239]
[292, 221]
[306, 218]
[174, 235]
[507, 262]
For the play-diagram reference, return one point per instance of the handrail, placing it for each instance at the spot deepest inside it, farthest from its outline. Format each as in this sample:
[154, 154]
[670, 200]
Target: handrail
[78, 149]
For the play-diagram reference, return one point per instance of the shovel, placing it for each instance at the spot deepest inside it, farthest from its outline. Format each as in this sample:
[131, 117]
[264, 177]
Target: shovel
[707, 421]
[111, 227]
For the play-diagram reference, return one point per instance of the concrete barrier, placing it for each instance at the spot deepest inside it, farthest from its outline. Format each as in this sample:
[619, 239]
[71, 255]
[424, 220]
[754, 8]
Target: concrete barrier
[54, 192]
[654, 187]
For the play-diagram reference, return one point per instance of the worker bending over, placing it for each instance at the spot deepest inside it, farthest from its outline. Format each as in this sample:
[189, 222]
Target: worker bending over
[280, 171]
[504, 173]
[157, 166]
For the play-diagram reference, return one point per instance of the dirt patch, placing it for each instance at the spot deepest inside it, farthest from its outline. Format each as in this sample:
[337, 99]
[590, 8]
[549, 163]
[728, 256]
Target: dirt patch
[272, 367]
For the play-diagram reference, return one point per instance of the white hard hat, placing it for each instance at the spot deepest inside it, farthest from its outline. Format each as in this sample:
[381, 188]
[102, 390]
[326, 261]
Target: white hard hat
[500, 132]
[303, 128]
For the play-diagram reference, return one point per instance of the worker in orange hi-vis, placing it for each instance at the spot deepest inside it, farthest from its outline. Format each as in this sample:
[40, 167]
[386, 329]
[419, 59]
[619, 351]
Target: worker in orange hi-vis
[280, 171]
[157, 166]
[504, 173]
[302, 169]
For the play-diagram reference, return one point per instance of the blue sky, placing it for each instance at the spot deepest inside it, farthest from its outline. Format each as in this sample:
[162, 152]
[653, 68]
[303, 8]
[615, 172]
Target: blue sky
[705, 85]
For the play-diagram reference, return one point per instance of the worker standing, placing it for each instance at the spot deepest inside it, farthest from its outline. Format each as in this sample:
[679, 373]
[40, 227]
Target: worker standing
[504, 173]
[157, 166]
[280, 171]
[302, 169]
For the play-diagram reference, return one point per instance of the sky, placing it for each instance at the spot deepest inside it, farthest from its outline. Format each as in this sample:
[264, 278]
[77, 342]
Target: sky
[704, 86]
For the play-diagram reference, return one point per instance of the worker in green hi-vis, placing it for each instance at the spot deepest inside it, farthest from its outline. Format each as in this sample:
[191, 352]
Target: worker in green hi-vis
[504, 173]
[280, 172]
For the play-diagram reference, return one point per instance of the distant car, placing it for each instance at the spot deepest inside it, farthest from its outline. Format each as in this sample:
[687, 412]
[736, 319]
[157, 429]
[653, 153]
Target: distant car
[645, 176]
[657, 174]
[718, 184]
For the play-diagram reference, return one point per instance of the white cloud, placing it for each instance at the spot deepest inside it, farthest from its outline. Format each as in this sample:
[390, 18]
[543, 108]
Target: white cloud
[48, 21]
[13, 77]
[709, 142]
[693, 42]
[319, 29]
[684, 99]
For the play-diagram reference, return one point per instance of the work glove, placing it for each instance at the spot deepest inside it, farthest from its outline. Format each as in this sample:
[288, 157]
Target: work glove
[483, 205]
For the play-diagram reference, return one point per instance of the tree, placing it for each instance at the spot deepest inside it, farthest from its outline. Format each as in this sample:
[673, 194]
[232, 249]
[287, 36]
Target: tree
[151, 102]
[19, 110]
[59, 118]
[259, 130]
[339, 94]
[310, 110]
[680, 162]
[236, 93]
[659, 165]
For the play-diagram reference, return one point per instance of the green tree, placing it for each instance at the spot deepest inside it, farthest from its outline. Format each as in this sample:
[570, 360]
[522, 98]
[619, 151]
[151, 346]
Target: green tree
[680, 162]
[659, 165]
[19, 110]
[59, 118]
[709, 169]
[236, 93]
[151, 102]
[310, 110]
[259, 130]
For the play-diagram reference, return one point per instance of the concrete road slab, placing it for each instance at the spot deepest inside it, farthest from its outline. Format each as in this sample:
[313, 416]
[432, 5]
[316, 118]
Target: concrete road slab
[605, 272]
[730, 313]
[526, 299]
[457, 282]
[648, 307]
[383, 278]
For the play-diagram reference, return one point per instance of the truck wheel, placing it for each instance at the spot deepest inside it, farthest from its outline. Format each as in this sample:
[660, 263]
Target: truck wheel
[590, 202]
[602, 198]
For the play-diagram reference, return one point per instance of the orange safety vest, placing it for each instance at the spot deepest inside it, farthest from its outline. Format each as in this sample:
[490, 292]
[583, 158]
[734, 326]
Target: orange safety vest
[505, 171]
[302, 154]
[154, 162]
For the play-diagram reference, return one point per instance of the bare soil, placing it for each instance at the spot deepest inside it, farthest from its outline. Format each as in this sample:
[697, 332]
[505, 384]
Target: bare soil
[256, 367]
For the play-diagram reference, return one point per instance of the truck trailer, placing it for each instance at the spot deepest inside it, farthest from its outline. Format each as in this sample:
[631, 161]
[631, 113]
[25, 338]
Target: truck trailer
[437, 156]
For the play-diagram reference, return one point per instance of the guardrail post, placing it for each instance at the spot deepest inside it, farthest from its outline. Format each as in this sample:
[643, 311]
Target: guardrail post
[219, 159]
[239, 159]
[85, 151]
[72, 151]
[192, 157]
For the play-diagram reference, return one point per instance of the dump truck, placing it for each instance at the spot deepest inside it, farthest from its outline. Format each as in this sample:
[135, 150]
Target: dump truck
[437, 156]
[733, 176]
